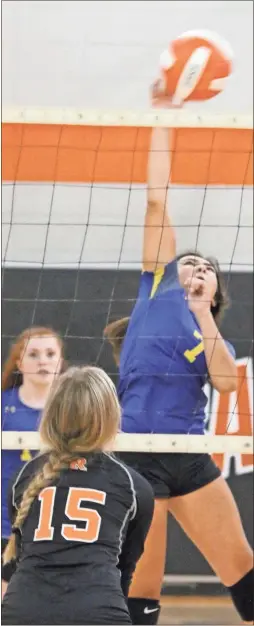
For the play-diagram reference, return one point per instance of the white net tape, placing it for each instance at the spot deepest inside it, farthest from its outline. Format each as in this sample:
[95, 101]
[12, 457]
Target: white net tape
[148, 118]
[233, 444]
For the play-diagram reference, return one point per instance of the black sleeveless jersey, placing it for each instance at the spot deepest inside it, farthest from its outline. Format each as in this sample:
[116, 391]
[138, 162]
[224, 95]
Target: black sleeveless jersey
[79, 544]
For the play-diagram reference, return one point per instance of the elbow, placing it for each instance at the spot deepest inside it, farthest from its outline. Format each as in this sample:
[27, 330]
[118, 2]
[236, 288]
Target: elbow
[155, 207]
[225, 385]
[226, 382]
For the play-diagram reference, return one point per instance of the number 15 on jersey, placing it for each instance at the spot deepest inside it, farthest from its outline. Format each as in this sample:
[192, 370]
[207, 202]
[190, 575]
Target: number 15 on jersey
[74, 511]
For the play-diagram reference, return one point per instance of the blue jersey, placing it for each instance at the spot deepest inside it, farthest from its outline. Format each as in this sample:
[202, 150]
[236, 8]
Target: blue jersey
[15, 416]
[163, 368]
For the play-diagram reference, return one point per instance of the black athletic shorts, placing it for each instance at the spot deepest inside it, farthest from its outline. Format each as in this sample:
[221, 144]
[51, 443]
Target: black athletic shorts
[8, 569]
[173, 475]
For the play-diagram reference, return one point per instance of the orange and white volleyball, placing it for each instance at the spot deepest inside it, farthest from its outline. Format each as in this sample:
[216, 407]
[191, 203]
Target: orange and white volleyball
[196, 66]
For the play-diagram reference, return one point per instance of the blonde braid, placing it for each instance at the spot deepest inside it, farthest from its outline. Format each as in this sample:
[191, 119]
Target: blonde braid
[44, 477]
[82, 414]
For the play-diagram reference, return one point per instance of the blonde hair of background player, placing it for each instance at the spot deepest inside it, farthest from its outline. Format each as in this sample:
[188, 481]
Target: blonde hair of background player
[82, 415]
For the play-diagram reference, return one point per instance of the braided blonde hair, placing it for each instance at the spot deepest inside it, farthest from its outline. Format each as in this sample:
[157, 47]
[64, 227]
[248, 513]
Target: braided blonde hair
[82, 415]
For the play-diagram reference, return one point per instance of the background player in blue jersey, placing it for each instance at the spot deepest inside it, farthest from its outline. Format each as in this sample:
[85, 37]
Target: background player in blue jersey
[172, 347]
[80, 517]
[34, 360]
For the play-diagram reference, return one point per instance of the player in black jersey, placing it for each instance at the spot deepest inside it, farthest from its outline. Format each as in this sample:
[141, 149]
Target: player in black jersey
[79, 516]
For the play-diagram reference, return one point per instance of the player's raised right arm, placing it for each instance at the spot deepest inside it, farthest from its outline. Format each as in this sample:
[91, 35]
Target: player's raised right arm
[159, 247]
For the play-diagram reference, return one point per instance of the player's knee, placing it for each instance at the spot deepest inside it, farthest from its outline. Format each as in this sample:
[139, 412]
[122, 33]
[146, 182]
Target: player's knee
[144, 611]
[242, 596]
[235, 568]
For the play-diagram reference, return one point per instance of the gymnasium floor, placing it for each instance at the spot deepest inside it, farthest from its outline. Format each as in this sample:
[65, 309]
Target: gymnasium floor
[184, 610]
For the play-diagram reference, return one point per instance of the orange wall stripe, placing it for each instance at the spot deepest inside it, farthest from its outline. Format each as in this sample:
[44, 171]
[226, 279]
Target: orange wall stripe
[85, 154]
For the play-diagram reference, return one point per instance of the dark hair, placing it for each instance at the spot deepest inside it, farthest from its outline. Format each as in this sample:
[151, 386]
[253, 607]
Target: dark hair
[115, 333]
[222, 300]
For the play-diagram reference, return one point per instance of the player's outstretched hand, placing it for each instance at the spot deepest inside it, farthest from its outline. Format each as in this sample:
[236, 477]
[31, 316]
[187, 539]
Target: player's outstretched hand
[160, 98]
[198, 294]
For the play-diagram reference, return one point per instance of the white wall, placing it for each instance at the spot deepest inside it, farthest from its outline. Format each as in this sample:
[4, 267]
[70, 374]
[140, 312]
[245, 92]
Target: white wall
[105, 53]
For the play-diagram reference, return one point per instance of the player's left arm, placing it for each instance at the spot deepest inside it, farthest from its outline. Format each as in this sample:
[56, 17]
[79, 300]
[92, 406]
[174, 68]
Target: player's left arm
[159, 242]
[220, 361]
[138, 527]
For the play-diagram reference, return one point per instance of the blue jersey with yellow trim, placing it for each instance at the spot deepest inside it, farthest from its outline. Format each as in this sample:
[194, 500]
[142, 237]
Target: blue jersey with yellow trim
[15, 416]
[163, 368]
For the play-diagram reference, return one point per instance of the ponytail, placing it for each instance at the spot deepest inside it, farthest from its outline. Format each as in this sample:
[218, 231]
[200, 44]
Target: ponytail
[115, 333]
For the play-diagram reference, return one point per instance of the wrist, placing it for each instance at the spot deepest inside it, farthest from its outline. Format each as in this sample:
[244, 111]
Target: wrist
[204, 316]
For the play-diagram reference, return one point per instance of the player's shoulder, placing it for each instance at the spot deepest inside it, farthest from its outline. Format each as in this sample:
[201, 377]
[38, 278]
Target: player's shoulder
[141, 485]
[9, 396]
[160, 280]
[137, 482]
[27, 472]
[117, 469]
[9, 404]
[144, 495]
[120, 471]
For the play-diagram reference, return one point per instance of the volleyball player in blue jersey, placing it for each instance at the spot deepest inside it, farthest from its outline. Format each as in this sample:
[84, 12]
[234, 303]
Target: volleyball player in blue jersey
[172, 346]
[34, 359]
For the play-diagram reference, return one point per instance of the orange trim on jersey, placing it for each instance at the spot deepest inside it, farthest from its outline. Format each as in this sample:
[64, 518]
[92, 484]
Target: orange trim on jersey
[85, 154]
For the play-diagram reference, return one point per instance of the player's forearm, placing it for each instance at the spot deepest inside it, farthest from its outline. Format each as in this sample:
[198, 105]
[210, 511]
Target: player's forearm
[158, 168]
[221, 365]
[159, 246]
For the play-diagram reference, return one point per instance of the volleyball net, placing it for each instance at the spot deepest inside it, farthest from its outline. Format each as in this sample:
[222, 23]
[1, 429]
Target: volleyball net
[74, 199]
[149, 443]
